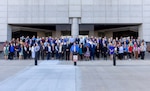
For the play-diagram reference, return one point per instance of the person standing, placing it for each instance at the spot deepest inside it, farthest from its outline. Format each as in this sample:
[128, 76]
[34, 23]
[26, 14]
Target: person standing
[17, 50]
[87, 53]
[6, 51]
[48, 51]
[142, 49]
[25, 51]
[121, 51]
[135, 50]
[111, 50]
[125, 48]
[33, 51]
[42, 50]
[104, 51]
[53, 50]
[28, 52]
[60, 51]
[92, 51]
[21, 52]
[36, 49]
[67, 51]
[74, 50]
[12, 51]
[97, 50]
[130, 50]
[81, 51]
[56, 51]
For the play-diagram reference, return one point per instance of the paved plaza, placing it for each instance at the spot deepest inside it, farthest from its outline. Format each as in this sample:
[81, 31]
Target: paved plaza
[54, 75]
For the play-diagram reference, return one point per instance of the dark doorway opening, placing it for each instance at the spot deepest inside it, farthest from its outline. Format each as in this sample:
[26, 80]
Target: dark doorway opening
[19, 34]
[125, 34]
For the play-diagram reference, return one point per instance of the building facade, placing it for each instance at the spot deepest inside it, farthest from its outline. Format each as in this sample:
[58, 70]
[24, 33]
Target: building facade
[75, 17]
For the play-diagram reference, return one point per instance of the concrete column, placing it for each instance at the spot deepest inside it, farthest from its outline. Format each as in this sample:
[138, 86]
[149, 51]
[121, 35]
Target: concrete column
[75, 27]
[9, 32]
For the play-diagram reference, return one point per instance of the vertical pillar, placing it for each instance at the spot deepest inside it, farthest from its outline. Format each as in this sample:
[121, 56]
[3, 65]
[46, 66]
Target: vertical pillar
[75, 27]
[9, 32]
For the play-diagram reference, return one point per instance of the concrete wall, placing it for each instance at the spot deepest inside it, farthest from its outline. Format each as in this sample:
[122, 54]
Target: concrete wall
[4, 28]
[61, 11]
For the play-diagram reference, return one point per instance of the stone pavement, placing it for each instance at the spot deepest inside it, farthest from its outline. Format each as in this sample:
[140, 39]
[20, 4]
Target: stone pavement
[55, 75]
[9, 68]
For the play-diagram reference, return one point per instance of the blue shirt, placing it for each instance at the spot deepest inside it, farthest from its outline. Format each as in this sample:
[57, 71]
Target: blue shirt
[76, 48]
[12, 49]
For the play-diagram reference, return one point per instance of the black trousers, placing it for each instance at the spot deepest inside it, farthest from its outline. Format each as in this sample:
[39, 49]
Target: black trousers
[81, 56]
[60, 55]
[120, 56]
[129, 54]
[42, 55]
[97, 54]
[36, 58]
[105, 55]
[67, 55]
[142, 55]
[11, 55]
[25, 55]
[53, 53]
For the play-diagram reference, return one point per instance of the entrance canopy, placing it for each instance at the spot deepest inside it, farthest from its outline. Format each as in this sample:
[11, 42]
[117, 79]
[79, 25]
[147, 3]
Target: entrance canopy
[58, 30]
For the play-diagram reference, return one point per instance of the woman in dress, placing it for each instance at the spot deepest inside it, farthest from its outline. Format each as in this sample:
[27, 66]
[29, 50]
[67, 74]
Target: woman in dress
[135, 50]
[111, 50]
[81, 51]
[6, 51]
[21, 52]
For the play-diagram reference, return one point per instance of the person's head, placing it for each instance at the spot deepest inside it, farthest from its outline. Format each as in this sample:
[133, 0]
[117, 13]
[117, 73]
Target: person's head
[36, 44]
[81, 45]
[142, 44]
[87, 46]
[135, 43]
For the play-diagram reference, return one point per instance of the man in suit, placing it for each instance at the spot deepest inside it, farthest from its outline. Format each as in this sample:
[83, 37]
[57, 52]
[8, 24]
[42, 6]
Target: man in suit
[92, 51]
[67, 51]
[42, 50]
[60, 51]
[74, 49]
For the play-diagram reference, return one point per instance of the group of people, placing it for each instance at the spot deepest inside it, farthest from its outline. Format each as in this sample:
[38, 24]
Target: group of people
[87, 48]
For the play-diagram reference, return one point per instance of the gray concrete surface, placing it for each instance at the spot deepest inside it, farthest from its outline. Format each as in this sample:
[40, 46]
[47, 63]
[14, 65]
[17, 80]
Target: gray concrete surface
[11, 67]
[87, 76]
